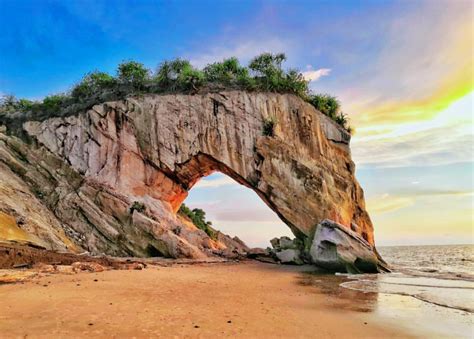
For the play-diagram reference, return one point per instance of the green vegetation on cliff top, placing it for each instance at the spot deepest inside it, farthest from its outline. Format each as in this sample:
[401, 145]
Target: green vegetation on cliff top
[264, 73]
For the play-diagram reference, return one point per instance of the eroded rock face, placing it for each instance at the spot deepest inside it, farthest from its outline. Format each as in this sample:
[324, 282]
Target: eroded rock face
[153, 149]
[340, 249]
[290, 256]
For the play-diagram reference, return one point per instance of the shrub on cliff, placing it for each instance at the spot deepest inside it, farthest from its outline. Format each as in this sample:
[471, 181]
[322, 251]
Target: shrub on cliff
[268, 73]
[341, 119]
[92, 85]
[53, 104]
[132, 75]
[326, 104]
[264, 73]
[137, 206]
[295, 83]
[267, 65]
[227, 72]
[10, 104]
[269, 126]
[198, 218]
[190, 79]
[270, 76]
[177, 75]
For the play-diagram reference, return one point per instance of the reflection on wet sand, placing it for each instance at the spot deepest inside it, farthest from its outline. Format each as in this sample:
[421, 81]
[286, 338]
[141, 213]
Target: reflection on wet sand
[383, 297]
[340, 297]
[456, 294]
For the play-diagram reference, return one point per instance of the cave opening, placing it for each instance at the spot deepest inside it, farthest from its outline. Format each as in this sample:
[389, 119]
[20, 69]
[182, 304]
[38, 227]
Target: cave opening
[236, 210]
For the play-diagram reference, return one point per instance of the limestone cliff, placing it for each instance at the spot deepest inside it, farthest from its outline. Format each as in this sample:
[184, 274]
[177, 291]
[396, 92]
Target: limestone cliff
[72, 180]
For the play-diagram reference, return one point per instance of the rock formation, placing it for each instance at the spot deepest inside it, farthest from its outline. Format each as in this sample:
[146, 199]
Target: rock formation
[340, 249]
[71, 181]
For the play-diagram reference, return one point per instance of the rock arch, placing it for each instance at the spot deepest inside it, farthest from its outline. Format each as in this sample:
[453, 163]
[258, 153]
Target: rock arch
[202, 165]
[158, 146]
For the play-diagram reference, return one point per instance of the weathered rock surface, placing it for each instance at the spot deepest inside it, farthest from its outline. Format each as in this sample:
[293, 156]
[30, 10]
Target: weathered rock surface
[290, 256]
[255, 252]
[340, 249]
[288, 251]
[86, 171]
[284, 243]
[61, 210]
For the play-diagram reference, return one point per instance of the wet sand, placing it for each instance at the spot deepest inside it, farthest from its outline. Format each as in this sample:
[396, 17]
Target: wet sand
[247, 299]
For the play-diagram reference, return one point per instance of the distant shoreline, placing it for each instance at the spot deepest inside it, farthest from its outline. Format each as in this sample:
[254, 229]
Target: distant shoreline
[469, 244]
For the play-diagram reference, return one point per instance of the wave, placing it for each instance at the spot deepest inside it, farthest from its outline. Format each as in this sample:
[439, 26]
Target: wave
[455, 294]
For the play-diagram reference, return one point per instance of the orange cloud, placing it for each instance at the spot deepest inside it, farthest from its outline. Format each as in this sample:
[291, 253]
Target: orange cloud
[424, 67]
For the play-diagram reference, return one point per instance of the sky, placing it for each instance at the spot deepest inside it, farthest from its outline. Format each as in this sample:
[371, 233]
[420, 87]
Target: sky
[403, 71]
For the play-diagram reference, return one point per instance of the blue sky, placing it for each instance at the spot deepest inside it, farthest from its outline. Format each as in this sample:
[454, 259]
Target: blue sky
[59, 41]
[402, 70]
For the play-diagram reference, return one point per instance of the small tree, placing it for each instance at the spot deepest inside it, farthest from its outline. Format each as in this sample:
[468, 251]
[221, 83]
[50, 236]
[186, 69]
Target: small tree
[190, 78]
[227, 72]
[9, 104]
[198, 218]
[8, 101]
[270, 76]
[295, 83]
[92, 84]
[267, 64]
[53, 104]
[25, 105]
[133, 74]
[268, 71]
[245, 81]
[168, 73]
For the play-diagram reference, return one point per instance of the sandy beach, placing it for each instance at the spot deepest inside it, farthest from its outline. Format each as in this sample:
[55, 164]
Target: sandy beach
[247, 299]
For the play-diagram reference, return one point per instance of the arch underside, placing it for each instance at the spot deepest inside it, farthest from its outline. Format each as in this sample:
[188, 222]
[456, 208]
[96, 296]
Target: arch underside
[202, 165]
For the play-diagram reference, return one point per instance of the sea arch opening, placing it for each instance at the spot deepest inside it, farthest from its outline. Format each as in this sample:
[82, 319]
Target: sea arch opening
[234, 204]
[236, 211]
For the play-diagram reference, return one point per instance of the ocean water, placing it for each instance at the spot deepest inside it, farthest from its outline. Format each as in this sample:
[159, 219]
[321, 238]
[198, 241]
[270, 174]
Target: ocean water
[442, 261]
[439, 275]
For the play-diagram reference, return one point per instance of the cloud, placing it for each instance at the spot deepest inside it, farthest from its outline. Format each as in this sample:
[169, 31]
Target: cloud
[429, 192]
[387, 203]
[444, 139]
[315, 75]
[420, 69]
[406, 198]
[215, 183]
[246, 213]
[237, 210]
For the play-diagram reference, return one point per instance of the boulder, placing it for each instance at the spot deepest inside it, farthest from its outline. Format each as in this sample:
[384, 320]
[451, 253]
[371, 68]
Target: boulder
[287, 251]
[290, 256]
[275, 242]
[45, 268]
[285, 242]
[337, 248]
[87, 266]
[65, 269]
[252, 253]
[134, 266]
[234, 246]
